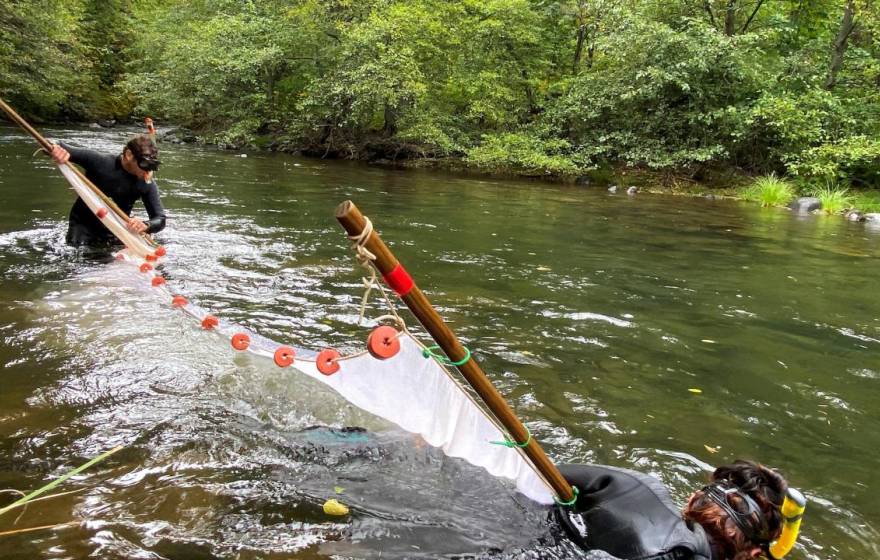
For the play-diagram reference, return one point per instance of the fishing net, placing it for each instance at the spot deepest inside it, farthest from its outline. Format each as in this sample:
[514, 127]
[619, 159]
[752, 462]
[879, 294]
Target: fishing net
[410, 388]
[97, 203]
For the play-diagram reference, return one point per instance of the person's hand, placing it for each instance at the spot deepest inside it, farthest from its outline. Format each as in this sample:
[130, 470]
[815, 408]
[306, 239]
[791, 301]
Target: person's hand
[59, 154]
[136, 226]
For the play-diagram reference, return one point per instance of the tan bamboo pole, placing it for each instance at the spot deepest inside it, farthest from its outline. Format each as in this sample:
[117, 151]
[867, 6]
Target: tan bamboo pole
[47, 147]
[351, 219]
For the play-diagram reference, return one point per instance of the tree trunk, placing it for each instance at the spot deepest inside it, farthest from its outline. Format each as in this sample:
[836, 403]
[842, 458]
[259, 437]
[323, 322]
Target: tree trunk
[847, 24]
[730, 18]
[389, 128]
[582, 32]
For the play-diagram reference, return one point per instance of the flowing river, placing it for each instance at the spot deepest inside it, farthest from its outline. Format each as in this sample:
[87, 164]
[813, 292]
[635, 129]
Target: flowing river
[597, 316]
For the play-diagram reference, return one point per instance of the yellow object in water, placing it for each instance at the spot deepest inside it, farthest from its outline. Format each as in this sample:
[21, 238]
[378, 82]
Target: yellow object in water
[334, 507]
[792, 512]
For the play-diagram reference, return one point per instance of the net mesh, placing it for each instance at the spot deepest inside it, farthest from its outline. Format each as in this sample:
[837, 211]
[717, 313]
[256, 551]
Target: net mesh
[413, 391]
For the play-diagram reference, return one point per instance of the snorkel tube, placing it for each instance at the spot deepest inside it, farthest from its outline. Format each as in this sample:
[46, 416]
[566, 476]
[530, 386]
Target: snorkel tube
[792, 512]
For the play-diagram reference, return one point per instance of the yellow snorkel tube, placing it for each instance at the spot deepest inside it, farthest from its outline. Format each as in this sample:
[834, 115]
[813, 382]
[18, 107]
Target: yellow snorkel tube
[792, 512]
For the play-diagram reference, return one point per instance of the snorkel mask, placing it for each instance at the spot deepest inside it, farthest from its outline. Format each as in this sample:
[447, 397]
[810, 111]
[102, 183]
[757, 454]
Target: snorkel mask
[148, 163]
[752, 522]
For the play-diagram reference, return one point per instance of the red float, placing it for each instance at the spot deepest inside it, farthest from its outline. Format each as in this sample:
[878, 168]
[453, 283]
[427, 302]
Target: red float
[241, 341]
[151, 258]
[284, 356]
[327, 361]
[383, 343]
[101, 213]
[159, 252]
[157, 281]
[210, 322]
[178, 301]
[146, 267]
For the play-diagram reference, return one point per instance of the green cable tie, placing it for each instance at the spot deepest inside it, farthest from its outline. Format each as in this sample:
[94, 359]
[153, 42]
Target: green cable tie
[508, 442]
[569, 503]
[430, 352]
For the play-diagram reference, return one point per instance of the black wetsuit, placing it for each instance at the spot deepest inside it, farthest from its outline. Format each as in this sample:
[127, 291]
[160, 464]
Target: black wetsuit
[628, 515]
[107, 173]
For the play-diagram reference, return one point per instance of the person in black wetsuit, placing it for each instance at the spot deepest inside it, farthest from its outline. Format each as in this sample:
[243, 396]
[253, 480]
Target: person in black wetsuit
[125, 179]
[630, 515]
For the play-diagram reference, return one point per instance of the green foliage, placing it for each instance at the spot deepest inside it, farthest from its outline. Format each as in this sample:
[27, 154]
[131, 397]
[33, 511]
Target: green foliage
[661, 98]
[867, 202]
[523, 152]
[540, 87]
[834, 199]
[769, 190]
[41, 58]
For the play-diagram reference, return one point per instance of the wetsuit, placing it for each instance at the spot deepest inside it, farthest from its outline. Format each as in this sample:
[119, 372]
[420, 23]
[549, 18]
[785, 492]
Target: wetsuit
[107, 173]
[628, 515]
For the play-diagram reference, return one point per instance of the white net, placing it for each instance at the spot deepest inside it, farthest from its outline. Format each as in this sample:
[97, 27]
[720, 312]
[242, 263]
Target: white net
[413, 391]
[136, 244]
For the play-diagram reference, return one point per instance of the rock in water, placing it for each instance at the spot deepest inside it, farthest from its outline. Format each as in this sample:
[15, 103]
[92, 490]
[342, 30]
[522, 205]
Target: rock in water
[632, 191]
[612, 189]
[855, 216]
[805, 204]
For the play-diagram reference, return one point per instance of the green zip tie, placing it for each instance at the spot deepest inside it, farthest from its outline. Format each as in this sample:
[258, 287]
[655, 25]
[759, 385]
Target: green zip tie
[430, 352]
[510, 443]
[574, 490]
[59, 480]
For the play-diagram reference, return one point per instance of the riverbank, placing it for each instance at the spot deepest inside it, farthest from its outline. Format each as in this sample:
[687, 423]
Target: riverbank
[712, 182]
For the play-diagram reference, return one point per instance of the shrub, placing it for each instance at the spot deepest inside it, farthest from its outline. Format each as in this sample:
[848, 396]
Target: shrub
[867, 202]
[769, 190]
[834, 199]
[524, 153]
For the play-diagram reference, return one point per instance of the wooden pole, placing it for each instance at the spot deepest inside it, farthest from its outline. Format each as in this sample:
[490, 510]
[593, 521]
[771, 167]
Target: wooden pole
[354, 222]
[47, 147]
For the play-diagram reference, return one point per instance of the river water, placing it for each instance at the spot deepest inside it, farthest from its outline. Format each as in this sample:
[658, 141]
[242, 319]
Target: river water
[595, 314]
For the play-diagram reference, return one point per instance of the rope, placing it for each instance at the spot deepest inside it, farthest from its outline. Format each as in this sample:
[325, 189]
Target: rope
[509, 441]
[569, 503]
[365, 258]
[431, 352]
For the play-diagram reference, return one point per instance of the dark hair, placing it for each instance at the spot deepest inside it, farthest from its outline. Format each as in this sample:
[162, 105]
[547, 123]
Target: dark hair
[765, 486]
[144, 149]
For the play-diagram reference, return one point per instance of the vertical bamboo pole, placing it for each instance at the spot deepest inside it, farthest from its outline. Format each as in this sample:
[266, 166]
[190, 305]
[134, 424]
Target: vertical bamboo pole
[351, 219]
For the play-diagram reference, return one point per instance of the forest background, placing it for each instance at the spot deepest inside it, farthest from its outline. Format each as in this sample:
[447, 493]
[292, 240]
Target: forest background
[694, 89]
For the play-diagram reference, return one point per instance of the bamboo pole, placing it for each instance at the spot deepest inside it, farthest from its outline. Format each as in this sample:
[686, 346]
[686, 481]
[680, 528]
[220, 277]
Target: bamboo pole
[47, 148]
[351, 219]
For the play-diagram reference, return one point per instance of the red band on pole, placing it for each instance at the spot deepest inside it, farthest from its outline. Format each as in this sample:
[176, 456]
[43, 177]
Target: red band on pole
[399, 280]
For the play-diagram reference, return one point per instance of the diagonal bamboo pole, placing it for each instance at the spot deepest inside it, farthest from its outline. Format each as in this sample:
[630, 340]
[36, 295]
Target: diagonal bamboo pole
[47, 148]
[351, 219]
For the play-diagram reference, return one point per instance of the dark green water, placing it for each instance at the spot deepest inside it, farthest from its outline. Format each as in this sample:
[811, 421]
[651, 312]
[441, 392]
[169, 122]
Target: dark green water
[595, 315]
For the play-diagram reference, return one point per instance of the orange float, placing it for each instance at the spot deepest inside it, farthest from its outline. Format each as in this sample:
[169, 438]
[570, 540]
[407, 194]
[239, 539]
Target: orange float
[146, 267]
[178, 301]
[241, 341]
[101, 213]
[157, 281]
[151, 258]
[210, 322]
[327, 361]
[383, 343]
[160, 252]
[284, 356]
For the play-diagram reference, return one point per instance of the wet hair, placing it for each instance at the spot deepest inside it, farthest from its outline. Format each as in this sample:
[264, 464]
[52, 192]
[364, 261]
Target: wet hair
[763, 485]
[143, 148]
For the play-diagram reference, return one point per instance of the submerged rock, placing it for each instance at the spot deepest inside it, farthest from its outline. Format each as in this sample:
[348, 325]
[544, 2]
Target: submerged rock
[872, 217]
[632, 191]
[107, 123]
[855, 216]
[805, 204]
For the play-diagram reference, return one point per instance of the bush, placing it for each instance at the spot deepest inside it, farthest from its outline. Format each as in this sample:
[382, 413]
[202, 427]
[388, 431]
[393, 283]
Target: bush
[769, 190]
[523, 153]
[834, 199]
[867, 202]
